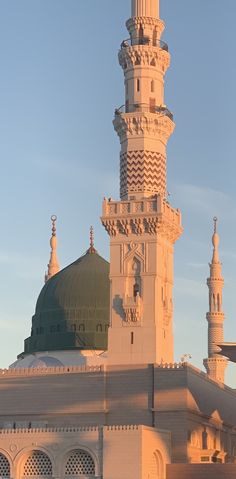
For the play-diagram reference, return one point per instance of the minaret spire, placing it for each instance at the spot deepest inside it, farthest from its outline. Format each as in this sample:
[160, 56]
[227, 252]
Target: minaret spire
[145, 8]
[53, 265]
[215, 364]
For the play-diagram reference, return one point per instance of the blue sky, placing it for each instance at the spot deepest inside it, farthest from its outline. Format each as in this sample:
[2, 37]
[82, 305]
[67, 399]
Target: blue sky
[59, 85]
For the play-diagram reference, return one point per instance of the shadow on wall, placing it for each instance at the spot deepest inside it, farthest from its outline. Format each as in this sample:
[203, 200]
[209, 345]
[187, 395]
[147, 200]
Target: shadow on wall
[203, 471]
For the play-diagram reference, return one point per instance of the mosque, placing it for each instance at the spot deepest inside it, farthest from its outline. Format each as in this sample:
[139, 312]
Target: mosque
[95, 393]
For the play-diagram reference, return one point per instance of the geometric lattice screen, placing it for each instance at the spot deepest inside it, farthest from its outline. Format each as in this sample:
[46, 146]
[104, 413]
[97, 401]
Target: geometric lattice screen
[37, 464]
[80, 462]
[4, 466]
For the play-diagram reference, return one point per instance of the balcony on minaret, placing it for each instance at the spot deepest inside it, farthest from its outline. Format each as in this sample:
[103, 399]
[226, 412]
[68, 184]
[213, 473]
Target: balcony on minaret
[144, 108]
[144, 40]
[132, 308]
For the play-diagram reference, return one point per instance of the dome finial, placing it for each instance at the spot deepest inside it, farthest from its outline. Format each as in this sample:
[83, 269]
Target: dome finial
[215, 219]
[91, 249]
[53, 265]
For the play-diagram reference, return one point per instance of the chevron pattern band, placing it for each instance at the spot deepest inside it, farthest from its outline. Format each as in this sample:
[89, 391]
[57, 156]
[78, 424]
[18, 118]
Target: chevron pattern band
[142, 171]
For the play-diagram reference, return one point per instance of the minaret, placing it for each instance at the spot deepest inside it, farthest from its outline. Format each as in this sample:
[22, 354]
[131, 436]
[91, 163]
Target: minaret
[53, 265]
[215, 364]
[143, 227]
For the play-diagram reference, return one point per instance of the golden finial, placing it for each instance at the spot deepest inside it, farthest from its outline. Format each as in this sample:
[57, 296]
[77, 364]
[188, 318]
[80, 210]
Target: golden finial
[53, 265]
[91, 247]
[215, 219]
[54, 219]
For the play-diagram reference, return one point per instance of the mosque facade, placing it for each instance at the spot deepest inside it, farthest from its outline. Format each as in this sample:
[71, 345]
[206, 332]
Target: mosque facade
[95, 393]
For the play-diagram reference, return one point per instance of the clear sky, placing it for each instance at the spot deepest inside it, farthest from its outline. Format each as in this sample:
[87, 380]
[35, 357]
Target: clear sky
[59, 85]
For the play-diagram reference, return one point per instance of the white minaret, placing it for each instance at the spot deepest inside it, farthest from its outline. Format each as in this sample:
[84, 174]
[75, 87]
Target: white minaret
[53, 265]
[215, 364]
[143, 227]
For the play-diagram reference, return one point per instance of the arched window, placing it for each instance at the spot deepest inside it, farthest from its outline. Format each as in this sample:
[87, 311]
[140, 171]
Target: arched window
[81, 327]
[136, 289]
[156, 466]
[37, 464]
[80, 463]
[99, 328]
[4, 466]
[141, 32]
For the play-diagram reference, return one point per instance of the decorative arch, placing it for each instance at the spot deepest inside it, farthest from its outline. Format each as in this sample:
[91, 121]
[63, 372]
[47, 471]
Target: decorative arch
[31, 461]
[157, 466]
[79, 462]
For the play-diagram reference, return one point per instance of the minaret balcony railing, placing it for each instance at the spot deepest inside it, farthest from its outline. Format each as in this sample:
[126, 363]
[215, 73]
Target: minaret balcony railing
[144, 108]
[131, 42]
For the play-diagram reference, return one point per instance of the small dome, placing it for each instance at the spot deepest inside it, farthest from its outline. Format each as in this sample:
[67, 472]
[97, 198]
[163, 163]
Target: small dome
[72, 311]
[45, 362]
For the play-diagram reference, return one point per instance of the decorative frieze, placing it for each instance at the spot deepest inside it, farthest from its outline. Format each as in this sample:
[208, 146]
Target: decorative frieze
[147, 23]
[155, 215]
[150, 125]
[146, 56]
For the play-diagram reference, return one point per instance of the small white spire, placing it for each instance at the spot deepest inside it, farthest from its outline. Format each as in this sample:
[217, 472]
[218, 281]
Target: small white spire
[53, 265]
[215, 364]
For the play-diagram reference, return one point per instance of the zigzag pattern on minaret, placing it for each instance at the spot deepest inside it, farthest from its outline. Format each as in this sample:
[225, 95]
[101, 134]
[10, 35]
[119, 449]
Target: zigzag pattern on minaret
[142, 171]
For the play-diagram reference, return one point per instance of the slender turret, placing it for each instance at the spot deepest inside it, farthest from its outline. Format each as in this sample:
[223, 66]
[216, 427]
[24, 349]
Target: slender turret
[215, 364]
[143, 227]
[53, 265]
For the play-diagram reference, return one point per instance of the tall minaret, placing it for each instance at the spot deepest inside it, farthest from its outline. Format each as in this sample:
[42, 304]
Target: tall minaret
[53, 265]
[143, 227]
[215, 364]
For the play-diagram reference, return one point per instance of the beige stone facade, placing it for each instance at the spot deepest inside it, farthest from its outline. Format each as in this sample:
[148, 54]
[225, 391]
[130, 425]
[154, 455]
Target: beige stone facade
[80, 452]
[131, 420]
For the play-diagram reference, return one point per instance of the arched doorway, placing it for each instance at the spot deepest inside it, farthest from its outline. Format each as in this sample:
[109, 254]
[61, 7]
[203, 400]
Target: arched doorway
[79, 463]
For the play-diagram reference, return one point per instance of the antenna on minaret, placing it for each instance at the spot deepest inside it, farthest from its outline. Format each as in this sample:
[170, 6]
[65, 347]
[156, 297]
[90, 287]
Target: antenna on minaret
[53, 265]
[215, 364]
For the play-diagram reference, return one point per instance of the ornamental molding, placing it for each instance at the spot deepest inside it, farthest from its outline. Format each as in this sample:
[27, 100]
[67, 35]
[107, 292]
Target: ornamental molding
[134, 23]
[139, 226]
[147, 216]
[215, 317]
[143, 124]
[144, 55]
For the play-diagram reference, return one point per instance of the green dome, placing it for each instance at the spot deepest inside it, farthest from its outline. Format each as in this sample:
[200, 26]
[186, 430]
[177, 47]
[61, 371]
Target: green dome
[72, 311]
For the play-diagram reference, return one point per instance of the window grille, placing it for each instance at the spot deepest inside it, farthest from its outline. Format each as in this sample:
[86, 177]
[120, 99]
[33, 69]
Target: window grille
[37, 464]
[4, 466]
[80, 462]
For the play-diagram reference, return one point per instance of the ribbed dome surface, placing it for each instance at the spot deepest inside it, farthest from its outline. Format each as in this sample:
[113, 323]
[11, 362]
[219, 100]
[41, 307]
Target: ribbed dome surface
[72, 311]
